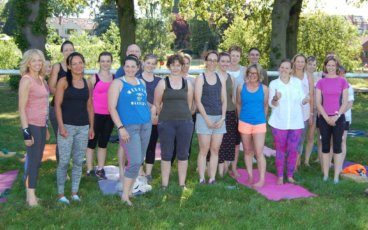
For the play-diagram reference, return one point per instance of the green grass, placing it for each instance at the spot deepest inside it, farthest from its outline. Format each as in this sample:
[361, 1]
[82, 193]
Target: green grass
[340, 206]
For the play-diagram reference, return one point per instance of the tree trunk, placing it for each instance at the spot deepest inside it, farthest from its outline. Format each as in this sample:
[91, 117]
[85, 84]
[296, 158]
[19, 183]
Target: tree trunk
[127, 25]
[34, 40]
[285, 22]
[292, 29]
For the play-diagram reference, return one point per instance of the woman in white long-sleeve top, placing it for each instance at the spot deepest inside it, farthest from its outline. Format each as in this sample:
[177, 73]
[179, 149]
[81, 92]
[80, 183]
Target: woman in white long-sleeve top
[286, 99]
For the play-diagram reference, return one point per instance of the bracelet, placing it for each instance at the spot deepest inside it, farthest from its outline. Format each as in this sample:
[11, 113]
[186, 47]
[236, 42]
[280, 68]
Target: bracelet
[27, 134]
[121, 127]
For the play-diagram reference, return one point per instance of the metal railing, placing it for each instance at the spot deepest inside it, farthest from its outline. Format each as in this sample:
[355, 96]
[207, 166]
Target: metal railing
[165, 71]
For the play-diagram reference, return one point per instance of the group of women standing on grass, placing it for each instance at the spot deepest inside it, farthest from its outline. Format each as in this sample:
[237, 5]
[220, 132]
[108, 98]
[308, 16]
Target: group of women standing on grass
[225, 104]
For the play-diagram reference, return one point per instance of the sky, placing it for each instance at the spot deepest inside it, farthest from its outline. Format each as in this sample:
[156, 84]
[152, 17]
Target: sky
[328, 6]
[337, 7]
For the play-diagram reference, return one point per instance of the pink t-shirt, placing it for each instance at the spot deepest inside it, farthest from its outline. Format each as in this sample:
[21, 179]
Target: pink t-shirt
[331, 89]
[37, 103]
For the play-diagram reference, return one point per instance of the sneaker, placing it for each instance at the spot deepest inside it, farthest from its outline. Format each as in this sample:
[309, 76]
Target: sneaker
[76, 198]
[63, 200]
[101, 174]
[91, 173]
[149, 179]
[202, 181]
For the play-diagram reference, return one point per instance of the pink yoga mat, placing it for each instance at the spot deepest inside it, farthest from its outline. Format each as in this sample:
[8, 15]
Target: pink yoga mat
[271, 190]
[6, 181]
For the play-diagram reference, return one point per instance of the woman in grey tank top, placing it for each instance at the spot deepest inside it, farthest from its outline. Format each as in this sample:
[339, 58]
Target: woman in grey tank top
[210, 97]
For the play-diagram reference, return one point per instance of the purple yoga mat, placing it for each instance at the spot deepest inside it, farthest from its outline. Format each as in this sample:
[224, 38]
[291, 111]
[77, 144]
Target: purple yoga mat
[6, 181]
[271, 190]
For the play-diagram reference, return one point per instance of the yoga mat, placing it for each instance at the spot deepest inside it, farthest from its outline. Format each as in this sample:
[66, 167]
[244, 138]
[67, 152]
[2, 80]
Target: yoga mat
[49, 153]
[6, 181]
[271, 190]
[357, 133]
[348, 163]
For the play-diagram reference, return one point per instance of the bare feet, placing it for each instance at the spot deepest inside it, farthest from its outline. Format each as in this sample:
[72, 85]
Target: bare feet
[127, 202]
[32, 202]
[280, 181]
[291, 180]
[235, 173]
[259, 184]
[250, 180]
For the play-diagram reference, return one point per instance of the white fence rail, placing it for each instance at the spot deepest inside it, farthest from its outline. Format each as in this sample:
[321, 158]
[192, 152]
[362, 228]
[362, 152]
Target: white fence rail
[166, 71]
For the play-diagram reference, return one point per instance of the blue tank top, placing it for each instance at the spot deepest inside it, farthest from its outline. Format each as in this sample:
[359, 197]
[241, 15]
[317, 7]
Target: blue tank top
[252, 107]
[132, 104]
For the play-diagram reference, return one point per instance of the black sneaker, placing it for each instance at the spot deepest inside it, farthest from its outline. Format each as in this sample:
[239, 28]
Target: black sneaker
[101, 174]
[91, 173]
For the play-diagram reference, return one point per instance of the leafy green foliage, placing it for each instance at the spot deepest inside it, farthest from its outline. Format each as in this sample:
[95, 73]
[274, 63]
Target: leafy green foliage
[320, 33]
[203, 36]
[251, 31]
[153, 32]
[10, 54]
[111, 41]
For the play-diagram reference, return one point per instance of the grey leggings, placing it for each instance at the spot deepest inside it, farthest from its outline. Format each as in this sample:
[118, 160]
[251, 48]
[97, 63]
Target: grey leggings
[34, 155]
[75, 142]
[136, 148]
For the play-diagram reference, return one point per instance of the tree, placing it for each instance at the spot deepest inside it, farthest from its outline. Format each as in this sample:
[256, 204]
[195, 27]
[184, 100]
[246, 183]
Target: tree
[285, 22]
[320, 33]
[127, 24]
[107, 14]
[252, 31]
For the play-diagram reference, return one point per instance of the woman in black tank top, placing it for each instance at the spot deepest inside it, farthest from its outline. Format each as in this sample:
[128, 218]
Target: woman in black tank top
[74, 113]
[210, 97]
[58, 71]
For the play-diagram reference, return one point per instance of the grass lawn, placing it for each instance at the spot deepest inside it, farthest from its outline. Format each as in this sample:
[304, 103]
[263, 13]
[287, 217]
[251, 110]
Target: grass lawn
[342, 206]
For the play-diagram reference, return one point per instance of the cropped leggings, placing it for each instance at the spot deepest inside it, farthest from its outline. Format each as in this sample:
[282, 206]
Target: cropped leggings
[136, 148]
[34, 155]
[336, 132]
[286, 141]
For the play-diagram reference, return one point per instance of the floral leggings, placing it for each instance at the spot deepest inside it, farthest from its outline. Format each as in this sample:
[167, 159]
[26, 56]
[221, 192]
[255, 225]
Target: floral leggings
[286, 141]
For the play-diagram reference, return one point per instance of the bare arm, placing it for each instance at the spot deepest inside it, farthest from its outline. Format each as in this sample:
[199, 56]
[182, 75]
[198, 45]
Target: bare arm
[59, 97]
[223, 98]
[190, 97]
[53, 78]
[265, 100]
[319, 105]
[91, 115]
[159, 92]
[198, 96]
[238, 100]
[24, 87]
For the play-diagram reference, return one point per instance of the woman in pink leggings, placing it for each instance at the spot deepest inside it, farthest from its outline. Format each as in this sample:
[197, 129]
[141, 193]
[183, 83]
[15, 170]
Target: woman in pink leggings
[286, 98]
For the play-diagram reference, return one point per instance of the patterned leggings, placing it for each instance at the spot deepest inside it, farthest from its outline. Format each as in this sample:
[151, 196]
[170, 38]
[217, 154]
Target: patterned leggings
[286, 141]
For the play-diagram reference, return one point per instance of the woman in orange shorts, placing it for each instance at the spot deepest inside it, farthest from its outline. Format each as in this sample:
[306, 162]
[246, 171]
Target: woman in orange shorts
[252, 106]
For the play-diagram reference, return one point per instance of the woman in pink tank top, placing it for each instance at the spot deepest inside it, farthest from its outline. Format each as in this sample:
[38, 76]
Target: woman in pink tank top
[103, 123]
[33, 110]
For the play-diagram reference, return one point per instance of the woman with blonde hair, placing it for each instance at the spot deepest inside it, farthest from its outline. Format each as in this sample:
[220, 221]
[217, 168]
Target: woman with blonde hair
[33, 109]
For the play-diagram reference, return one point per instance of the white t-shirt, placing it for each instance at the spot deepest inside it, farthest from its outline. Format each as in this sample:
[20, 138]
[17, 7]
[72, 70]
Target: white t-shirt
[348, 116]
